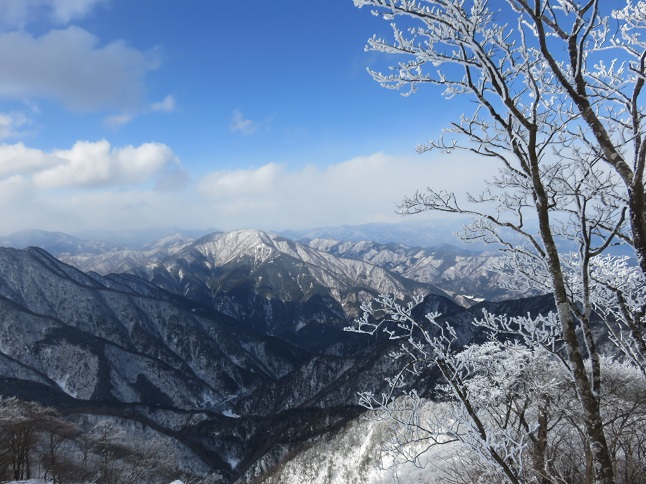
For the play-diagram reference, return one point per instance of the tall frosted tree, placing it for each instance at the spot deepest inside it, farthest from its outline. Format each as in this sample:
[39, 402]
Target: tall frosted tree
[557, 86]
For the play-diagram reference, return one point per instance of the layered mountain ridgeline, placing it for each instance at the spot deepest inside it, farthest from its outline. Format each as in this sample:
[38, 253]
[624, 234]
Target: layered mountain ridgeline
[279, 287]
[76, 342]
[463, 274]
[233, 347]
[101, 256]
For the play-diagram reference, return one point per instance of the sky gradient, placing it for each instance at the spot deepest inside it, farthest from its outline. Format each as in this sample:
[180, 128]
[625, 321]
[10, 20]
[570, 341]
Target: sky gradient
[127, 114]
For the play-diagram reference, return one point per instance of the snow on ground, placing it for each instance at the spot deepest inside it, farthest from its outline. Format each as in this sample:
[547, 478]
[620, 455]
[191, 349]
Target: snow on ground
[353, 457]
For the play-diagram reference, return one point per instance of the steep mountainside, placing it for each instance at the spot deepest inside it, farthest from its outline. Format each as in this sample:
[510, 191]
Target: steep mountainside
[277, 286]
[354, 455]
[233, 346]
[68, 339]
[121, 347]
[94, 342]
[461, 273]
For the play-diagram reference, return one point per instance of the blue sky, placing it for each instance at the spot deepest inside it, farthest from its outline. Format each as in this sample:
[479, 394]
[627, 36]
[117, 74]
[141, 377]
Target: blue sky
[206, 114]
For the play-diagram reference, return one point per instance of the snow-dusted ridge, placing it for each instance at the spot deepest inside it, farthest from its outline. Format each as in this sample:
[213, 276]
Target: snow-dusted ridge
[307, 266]
[463, 274]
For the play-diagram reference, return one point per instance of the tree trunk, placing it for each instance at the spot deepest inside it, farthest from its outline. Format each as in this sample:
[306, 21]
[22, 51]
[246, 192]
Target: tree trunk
[589, 400]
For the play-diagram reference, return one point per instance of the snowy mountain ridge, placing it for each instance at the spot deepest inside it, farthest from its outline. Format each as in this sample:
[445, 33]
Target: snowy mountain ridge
[463, 274]
[341, 274]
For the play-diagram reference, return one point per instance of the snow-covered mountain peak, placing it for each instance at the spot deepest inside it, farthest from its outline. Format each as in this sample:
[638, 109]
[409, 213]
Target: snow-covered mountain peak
[222, 248]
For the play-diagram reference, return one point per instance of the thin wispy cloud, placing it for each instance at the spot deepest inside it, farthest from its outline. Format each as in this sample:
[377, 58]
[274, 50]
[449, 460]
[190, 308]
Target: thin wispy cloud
[240, 124]
[116, 121]
[166, 105]
[12, 125]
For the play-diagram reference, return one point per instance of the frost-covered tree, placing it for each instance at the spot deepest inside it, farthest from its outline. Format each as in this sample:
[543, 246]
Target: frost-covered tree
[557, 88]
[126, 459]
[511, 405]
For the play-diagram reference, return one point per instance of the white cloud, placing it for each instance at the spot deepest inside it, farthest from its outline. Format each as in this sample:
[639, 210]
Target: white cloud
[12, 124]
[18, 13]
[91, 185]
[117, 120]
[65, 11]
[360, 190]
[19, 160]
[240, 124]
[95, 185]
[15, 187]
[71, 67]
[87, 164]
[241, 183]
[166, 105]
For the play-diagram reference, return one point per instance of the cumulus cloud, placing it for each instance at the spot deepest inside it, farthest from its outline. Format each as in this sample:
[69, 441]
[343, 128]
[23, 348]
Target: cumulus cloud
[240, 124]
[18, 13]
[70, 66]
[87, 164]
[19, 160]
[92, 164]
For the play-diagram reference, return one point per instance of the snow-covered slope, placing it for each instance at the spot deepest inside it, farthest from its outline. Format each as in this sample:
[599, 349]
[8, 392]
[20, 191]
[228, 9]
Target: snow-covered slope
[339, 274]
[354, 455]
[275, 285]
[118, 345]
[70, 331]
[463, 274]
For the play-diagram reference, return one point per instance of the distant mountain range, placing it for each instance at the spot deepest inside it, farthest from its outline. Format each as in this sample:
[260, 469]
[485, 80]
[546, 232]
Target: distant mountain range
[414, 233]
[232, 344]
[459, 272]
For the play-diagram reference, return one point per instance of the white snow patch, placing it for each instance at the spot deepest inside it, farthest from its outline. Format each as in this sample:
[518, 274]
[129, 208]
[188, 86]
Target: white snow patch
[232, 460]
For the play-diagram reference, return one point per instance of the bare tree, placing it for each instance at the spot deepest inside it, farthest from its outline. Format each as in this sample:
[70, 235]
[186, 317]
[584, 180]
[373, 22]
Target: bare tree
[59, 465]
[18, 437]
[529, 105]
